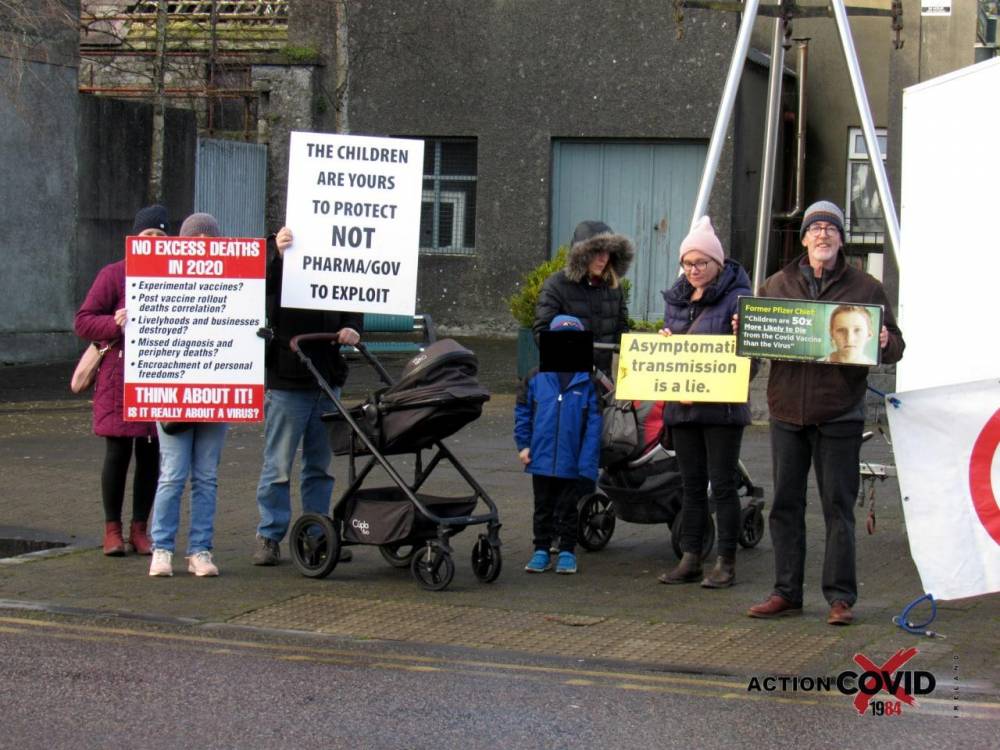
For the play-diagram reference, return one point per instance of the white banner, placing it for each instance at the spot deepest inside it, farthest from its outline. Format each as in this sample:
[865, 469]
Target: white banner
[945, 441]
[354, 211]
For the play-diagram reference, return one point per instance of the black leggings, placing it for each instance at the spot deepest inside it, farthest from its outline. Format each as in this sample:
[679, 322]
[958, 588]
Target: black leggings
[709, 453]
[147, 469]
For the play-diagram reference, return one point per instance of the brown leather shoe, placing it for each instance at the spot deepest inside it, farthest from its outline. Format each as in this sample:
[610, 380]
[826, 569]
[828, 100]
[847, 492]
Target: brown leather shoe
[840, 614]
[774, 606]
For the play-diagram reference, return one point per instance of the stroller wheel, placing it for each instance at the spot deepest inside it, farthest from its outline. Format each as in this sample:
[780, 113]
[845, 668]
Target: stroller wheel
[315, 545]
[751, 526]
[433, 568]
[486, 560]
[707, 539]
[398, 555]
[596, 522]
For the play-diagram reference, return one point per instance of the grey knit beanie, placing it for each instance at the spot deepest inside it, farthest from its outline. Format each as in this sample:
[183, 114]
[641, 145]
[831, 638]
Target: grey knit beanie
[823, 211]
[197, 224]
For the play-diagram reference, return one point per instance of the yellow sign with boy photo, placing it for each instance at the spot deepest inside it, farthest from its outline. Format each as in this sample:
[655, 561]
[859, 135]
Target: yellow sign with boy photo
[652, 367]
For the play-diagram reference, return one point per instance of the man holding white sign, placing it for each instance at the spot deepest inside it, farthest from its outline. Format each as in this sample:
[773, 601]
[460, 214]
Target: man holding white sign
[817, 417]
[293, 405]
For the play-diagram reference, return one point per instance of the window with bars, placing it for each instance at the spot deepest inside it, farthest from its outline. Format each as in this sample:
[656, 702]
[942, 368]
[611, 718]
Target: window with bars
[865, 223]
[448, 210]
[242, 11]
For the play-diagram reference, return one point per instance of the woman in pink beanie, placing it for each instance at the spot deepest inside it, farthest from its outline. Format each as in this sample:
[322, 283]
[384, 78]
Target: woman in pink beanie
[706, 436]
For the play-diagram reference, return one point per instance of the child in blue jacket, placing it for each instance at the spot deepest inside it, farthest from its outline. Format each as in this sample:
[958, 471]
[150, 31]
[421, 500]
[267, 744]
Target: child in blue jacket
[557, 430]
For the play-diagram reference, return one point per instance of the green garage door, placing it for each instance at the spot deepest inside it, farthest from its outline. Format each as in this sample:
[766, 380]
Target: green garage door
[645, 191]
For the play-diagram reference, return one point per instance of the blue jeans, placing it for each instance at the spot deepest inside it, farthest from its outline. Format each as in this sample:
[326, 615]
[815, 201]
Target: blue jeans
[196, 452]
[290, 418]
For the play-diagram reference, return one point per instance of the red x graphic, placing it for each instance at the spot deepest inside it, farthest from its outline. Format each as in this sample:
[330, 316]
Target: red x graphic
[887, 670]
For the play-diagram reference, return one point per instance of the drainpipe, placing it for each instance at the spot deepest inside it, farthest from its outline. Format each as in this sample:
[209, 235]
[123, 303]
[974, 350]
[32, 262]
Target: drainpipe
[800, 134]
[770, 147]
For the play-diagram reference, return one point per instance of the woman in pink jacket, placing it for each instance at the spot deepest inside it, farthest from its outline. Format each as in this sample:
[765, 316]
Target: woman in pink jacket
[101, 319]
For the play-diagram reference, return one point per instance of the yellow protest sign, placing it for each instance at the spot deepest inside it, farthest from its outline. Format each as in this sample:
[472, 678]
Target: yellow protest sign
[652, 367]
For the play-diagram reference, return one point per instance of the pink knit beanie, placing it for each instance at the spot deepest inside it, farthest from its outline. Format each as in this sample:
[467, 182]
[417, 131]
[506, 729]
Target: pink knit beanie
[702, 237]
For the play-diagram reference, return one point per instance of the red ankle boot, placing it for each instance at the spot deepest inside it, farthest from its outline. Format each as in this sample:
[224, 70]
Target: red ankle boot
[114, 545]
[138, 539]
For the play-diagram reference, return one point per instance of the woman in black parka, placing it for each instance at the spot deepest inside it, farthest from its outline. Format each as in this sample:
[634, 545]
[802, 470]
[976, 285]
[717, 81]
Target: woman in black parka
[589, 287]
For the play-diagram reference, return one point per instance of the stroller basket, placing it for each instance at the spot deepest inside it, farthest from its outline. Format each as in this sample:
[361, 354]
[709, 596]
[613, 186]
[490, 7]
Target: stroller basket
[384, 515]
[647, 493]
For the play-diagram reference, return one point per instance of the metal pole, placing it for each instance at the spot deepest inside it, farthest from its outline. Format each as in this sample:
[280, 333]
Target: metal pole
[725, 109]
[770, 149]
[871, 142]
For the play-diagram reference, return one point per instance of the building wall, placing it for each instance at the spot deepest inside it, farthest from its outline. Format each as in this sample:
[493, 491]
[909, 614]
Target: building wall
[517, 75]
[115, 137]
[38, 110]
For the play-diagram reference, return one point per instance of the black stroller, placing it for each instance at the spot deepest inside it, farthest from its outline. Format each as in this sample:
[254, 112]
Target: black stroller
[436, 395]
[645, 487]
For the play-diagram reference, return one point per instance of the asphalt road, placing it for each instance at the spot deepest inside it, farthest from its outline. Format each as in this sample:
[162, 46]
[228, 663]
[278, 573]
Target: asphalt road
[71, 682]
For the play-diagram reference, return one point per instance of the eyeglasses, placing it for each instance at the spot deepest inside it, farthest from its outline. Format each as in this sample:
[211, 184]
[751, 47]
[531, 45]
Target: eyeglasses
[817, 229]
[689, 266]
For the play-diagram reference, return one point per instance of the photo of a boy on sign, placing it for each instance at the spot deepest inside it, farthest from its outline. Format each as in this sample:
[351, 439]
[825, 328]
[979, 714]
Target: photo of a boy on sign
[852, 333]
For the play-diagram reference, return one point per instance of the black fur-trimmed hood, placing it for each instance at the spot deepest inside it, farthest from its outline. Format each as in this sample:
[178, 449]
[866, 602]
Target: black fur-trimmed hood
[620, 249]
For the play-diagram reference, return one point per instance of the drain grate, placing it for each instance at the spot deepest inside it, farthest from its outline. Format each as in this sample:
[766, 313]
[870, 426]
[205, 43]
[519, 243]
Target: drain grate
[14, 547]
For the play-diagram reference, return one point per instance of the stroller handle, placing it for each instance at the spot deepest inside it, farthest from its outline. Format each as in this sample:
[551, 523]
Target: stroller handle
[331, 337]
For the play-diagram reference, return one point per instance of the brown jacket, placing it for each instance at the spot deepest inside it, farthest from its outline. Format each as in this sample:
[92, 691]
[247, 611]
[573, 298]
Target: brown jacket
[803, 393]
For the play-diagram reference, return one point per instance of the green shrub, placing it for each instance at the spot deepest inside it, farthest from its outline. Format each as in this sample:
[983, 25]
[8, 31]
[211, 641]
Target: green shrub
[522, 303]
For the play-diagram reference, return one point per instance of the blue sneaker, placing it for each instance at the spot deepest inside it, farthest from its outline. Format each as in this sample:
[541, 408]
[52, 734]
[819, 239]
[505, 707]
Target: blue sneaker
[566, 563]
[539, 562]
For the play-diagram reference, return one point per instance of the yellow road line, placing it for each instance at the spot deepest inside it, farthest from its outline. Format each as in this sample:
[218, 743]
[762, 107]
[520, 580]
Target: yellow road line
[720, 689]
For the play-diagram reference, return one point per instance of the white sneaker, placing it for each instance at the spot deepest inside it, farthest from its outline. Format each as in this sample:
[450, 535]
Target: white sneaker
[200, 563]
[161, 565]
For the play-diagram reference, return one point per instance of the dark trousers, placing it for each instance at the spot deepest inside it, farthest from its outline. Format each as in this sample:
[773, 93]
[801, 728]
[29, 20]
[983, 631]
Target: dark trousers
[556, 511]
[117, 457]
[709, 453]
[834, 451]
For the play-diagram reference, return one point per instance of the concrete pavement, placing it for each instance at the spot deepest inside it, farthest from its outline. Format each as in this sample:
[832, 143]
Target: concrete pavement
[613, 611]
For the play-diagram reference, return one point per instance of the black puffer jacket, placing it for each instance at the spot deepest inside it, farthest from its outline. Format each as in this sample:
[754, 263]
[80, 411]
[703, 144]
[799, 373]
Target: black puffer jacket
[599, 306]
[284, 370]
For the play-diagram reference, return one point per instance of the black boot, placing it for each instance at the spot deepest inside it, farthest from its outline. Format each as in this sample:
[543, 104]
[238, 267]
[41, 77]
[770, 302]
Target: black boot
[688, 570]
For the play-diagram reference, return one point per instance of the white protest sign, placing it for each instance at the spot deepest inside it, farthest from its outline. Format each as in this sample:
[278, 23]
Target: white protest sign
[192, 353]
[354, 211]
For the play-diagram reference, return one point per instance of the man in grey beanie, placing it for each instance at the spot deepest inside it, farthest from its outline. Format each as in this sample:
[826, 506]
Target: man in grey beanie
[817, 417]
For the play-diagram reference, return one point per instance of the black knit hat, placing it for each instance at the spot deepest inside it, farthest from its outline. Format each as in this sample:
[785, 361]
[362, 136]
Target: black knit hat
[150, 217]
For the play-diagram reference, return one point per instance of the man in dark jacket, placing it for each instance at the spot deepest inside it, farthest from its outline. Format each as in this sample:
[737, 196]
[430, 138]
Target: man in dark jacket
[589, 287]
[293, 405]
[817, 416]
